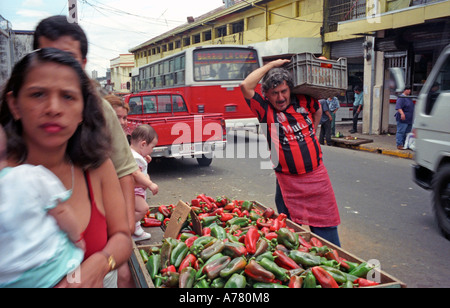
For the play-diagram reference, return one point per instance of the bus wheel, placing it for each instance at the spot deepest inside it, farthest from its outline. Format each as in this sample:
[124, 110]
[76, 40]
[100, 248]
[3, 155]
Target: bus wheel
[204, 161]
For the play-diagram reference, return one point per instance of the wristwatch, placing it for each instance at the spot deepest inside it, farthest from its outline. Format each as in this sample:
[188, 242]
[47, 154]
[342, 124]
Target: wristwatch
[110, 259]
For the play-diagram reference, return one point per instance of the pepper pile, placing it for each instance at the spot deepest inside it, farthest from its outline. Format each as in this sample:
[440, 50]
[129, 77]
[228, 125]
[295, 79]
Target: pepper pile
[254, 249]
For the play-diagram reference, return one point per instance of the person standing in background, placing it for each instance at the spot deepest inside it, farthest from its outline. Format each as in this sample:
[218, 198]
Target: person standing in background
[357, 108]
[334, 105]
[404, 117]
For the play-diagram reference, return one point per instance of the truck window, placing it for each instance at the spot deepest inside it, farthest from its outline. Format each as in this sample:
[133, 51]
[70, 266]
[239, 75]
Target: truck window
[164, 104]
[149, 104]
[178, 104]
[440, 85]
[135, 105]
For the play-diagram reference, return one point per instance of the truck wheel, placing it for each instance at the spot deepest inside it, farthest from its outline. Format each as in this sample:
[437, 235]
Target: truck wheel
[441, 199]
[204, 161]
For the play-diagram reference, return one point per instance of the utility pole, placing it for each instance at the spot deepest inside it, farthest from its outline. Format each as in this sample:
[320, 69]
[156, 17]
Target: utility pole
[72, 17]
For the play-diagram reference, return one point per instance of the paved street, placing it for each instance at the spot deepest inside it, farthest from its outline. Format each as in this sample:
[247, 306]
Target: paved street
[384, 215]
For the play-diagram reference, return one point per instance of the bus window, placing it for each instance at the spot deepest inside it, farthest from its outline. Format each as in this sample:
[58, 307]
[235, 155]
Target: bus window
[178, 104]
[149, 104]
[135, 105]
[224, 64]
[164, 104]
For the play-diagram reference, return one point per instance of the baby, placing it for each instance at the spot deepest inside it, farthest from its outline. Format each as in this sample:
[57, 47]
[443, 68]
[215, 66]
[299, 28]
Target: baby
[40, 240]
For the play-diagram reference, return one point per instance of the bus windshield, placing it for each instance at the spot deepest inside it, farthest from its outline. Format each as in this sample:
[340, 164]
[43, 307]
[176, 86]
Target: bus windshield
[224, 64]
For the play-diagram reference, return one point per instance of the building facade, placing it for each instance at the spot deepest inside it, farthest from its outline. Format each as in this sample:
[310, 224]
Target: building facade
[374, 35]
[121, 68]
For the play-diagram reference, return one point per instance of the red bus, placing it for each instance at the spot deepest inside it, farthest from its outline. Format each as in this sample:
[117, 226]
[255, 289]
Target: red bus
[208, 77]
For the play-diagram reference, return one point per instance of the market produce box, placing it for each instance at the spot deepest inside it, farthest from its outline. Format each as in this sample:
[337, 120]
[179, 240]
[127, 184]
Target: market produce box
[323, 252]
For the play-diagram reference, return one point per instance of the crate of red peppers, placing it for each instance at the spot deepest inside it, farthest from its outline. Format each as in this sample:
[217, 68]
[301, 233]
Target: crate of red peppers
[254, 250]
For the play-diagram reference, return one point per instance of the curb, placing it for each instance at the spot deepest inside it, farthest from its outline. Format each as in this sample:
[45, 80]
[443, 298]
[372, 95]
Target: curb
[397, 153]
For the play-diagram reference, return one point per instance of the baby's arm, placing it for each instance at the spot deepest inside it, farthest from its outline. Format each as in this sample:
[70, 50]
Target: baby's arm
[66, 220]
[143, 180]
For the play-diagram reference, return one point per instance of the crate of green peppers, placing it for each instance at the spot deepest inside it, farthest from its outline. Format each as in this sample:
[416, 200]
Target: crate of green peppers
[252, 259]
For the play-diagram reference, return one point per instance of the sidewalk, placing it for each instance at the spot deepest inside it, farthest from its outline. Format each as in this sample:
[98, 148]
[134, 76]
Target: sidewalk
[381, 144]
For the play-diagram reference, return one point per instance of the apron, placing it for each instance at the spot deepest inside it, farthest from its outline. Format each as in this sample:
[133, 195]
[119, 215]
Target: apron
[310, 198]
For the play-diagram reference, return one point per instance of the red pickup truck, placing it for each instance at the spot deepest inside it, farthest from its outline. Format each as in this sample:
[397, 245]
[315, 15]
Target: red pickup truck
[181, 133]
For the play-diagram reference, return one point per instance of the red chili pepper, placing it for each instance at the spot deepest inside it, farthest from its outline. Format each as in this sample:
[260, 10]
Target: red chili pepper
[303, 242]
[244, 213]
[205, 199]
[263, 223]
[268, 212]
[226, 217]
[296, 282]
[190, 241]
[189, 260]
[251, 238]
[170, 268]
[166, 221]
[195, 202]
[271, 235]
[256, 272]
[151, 222]
[276, 225]
[315, 242]
[333, 255]
[324, 278]
[164, 210]
[229, 207]
[206, 231]
[282, 260]
[365, 283]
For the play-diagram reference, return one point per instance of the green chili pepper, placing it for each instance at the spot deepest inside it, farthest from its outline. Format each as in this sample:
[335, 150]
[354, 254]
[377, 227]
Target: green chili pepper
[187, 277]
[153, 265]
[310, 281]
[211, 250]
[362, 270]
[265, 285]
[208, 220]
[200, 243]
[267, 255]
[347, 285]
[240, 221]
[178, 254]
[202, 284]
[351, 265]
[279, 272]
[200, 271]
[287, 238]
[247, 205]
[144, 255]
[330, 263]
[218, 232]
[218, 283]
[166, 250]
[236, 281]
[236, 265]
[212, 269]
[304, 258]
[339, 276]
[234, 249]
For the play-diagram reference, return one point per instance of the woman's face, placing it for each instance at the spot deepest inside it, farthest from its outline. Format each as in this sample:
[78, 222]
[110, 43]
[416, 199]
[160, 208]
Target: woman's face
[49, 105]
[122, 115]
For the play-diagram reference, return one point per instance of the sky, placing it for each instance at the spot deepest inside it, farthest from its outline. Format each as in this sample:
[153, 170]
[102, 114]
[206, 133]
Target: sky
[112, 26]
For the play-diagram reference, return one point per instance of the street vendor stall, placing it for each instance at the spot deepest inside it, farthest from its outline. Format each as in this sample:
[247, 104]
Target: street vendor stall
[223, 243]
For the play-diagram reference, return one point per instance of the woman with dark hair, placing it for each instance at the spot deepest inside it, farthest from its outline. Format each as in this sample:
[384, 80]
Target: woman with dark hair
[53, 117]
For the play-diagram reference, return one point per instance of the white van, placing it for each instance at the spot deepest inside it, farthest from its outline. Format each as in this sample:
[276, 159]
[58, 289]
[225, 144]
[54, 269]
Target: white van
[432, 139]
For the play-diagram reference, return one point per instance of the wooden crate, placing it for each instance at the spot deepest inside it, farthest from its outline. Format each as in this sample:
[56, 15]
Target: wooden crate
[386, 280]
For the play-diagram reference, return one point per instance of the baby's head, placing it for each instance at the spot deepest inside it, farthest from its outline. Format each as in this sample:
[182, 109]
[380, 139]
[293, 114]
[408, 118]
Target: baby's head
[2, 148]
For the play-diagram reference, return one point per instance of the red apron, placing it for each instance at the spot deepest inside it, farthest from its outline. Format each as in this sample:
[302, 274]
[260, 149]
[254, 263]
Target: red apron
[310, 198]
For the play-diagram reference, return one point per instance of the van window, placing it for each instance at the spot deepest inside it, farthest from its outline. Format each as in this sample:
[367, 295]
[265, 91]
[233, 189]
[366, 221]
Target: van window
[149, 104]
[178, 104]
[135, 105]
[440, 85]
[164, 104]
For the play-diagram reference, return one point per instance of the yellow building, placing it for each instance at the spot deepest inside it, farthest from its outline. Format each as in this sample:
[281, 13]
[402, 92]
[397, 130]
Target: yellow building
[373, 35]
[121, 68]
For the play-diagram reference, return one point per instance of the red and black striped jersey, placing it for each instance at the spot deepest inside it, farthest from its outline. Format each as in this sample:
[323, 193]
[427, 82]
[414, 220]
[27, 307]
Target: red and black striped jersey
[290, 133]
